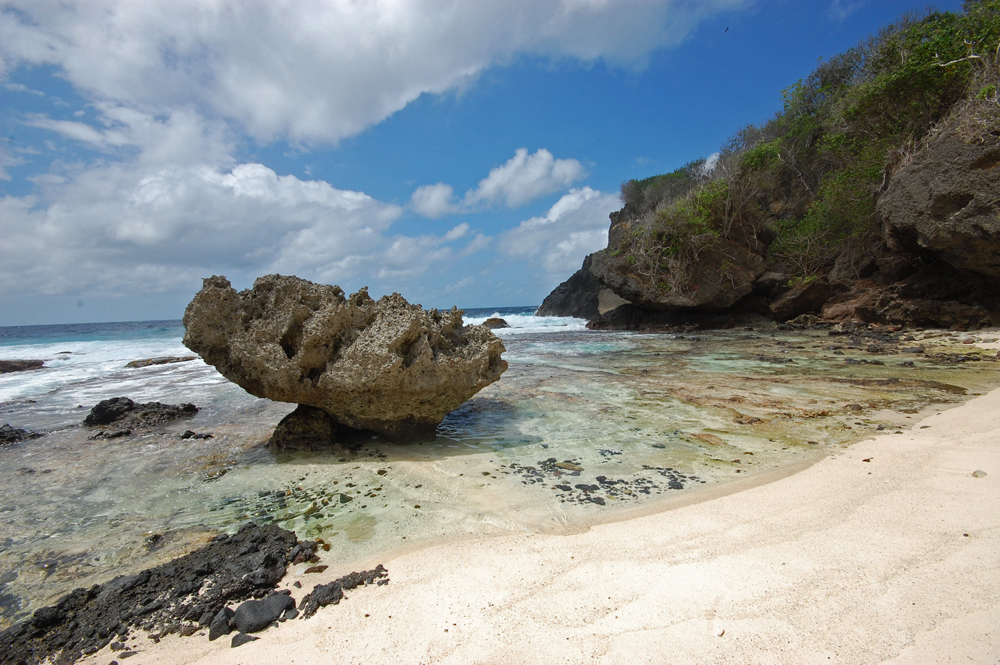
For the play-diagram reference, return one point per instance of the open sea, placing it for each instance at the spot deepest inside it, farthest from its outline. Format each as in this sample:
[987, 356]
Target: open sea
[585, 426]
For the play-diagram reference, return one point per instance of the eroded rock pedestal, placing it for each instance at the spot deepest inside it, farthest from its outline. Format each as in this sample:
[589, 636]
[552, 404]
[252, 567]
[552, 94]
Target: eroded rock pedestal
[386, 366]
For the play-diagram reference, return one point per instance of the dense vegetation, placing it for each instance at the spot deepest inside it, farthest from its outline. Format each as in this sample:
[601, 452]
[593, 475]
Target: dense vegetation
[806, 182]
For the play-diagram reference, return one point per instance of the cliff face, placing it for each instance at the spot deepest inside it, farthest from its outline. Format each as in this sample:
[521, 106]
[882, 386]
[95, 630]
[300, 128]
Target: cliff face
[945, 204]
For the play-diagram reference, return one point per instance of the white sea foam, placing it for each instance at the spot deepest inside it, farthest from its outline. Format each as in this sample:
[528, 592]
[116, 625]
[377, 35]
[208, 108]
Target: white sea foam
[85, 363]
[527, 323]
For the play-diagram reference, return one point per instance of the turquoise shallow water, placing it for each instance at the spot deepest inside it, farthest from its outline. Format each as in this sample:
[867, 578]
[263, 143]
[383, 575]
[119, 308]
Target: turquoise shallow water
[582, 425]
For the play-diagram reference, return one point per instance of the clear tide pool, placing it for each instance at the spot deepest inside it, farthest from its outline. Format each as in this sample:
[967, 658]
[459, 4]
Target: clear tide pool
[582, 425]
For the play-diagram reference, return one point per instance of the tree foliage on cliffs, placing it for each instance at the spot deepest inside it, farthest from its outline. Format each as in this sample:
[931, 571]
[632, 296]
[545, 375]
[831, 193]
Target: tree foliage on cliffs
[802, 186]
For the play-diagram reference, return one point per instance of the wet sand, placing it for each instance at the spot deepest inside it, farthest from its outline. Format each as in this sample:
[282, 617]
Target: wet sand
[886, 551]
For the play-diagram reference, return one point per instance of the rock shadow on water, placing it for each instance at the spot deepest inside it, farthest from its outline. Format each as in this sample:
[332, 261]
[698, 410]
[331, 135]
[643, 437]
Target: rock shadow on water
[311, 432]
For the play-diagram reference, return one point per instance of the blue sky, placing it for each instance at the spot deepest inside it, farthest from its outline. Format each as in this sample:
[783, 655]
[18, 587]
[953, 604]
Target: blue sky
[461, 153]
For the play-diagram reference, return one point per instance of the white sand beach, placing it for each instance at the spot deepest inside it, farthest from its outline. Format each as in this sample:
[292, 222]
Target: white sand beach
[887, 552]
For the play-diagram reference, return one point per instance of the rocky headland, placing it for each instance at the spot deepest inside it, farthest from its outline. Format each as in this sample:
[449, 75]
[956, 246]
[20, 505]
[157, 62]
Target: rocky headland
[935, 262]
[383, 366]
[850, 205]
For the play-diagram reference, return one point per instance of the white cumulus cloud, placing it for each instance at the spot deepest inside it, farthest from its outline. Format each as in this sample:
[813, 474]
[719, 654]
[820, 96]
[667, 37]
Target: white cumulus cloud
[524, 178]
[434, 200]
[576, 225]
[113, 229]
[520, 180]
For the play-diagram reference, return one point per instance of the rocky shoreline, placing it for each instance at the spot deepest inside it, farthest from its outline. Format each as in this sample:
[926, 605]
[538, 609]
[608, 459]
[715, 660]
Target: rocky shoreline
[187, 596]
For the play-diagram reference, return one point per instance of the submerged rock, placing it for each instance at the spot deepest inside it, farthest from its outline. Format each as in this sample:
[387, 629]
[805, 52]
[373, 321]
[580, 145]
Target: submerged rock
[10, 434]
[147, 362]
[385, 366]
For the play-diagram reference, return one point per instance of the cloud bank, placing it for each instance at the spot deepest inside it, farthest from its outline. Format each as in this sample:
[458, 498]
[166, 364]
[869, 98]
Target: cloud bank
[318, 71]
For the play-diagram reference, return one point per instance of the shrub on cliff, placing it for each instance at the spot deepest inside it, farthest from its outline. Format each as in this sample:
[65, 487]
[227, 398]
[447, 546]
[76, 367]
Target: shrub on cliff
[813, 174]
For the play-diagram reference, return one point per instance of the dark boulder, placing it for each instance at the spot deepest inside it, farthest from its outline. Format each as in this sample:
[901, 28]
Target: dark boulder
[631, 317]
[721, 274]
[803, 298]
[108, 411]
[494, 323]
[306, 428]
[944, 204]
[220, 624]
[121, 415]
[256, 615]
[147, 362]
[7, 366]
[10, 434]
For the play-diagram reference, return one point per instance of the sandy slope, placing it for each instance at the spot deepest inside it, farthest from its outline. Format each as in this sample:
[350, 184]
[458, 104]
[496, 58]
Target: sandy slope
[896, 559]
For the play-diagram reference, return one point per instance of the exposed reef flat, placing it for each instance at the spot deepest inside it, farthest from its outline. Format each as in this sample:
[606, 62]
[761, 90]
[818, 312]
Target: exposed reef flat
[584, 427]
[882, 554]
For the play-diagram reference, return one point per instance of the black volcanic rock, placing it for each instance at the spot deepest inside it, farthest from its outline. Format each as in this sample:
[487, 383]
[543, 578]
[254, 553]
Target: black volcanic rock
[256, 615]
[168, 598]
[125, 415]
[332, 593]
[10, 434]
[220, 624]
[7, 366]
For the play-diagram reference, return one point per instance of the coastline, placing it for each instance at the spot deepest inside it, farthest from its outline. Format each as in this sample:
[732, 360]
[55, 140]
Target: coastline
[847, 560]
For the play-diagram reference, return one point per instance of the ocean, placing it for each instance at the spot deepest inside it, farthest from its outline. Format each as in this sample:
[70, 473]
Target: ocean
[585, 426]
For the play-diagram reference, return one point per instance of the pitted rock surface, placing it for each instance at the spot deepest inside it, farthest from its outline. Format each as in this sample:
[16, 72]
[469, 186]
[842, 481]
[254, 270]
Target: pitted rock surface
[386, 366]
[944, 204]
